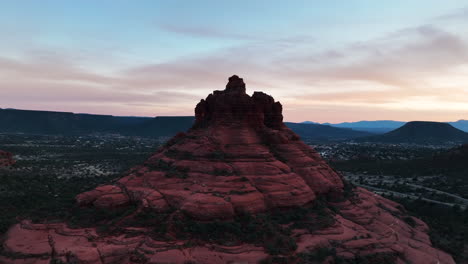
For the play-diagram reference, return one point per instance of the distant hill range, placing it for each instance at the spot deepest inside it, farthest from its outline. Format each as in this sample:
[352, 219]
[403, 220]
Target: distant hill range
[65, 123]
[420, 132]
[379, 126]
[384, 126]
[318, 132]
[47, 122]
[460, 124]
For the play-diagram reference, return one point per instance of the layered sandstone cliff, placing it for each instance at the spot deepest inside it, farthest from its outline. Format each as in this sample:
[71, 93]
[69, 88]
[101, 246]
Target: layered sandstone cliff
[240, 172]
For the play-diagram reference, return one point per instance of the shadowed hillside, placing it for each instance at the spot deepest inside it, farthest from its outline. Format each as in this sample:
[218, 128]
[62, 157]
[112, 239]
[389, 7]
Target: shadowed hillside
[318, 132]
[63, 123]
[421, 132]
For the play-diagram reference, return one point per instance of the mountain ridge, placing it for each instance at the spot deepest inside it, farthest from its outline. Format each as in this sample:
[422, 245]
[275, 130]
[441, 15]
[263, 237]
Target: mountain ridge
[383, 126]
[67, 123]
[422, 132]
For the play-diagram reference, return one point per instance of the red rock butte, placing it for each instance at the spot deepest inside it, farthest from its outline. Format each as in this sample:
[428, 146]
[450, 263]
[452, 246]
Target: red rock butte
[238, 159]
[6, 159]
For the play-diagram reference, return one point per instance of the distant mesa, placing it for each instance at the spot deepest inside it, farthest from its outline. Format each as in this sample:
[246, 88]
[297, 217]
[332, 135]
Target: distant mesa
[6, 159]
[66, 124]
[422, 132]
[384, 126]
[238, 187]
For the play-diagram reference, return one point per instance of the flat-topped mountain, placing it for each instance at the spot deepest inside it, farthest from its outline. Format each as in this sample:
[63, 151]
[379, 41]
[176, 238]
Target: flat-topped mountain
[384, 126]
[422, 132]
[238, 187]
[63, 123]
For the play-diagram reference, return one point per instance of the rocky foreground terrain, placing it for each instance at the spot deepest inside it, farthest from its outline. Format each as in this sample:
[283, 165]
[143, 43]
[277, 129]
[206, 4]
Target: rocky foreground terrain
[239, 187]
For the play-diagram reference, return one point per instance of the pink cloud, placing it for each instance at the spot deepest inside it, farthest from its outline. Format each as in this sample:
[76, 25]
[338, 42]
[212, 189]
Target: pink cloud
[404, 61]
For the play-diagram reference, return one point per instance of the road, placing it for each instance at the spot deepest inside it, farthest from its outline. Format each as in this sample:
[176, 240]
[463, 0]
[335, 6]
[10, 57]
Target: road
[408, 196]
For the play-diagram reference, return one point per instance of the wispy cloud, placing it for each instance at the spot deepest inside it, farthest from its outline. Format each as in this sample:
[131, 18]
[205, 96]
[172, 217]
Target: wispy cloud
[257, 38]
[377, 76]
[400, 59]
[205, 32]
[460, 14]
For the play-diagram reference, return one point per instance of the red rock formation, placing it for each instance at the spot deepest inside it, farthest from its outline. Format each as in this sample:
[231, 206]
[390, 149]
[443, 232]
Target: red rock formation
[6, 159]
[238, 159]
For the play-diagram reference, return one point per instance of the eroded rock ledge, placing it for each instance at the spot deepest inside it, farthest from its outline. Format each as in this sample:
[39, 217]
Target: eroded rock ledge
[239, 171]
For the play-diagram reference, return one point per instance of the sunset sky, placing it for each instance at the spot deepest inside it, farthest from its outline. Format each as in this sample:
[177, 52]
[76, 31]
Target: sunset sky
[326, 61]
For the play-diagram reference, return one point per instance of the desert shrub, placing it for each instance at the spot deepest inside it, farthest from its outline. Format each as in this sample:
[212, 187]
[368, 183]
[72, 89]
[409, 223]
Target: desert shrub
[56, 261]
[280, 245]
[159, 165]
[217, 155]
[271, 230]
[313, 218]
[383, 258]
[410, 221]
[222, 172]
[176, 154]
[79, 217]
[277, 153]
[318, 255]
[168, 167]
[448, 229]
[177, 173]
[235, 192]
[278, 260]
[138, 257]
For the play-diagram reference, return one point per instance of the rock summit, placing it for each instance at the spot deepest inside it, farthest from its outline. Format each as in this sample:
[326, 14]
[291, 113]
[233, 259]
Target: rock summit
[238, 187]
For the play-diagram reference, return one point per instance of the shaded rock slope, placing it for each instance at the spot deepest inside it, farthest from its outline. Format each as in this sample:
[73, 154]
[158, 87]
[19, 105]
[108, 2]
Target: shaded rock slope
[238, 187]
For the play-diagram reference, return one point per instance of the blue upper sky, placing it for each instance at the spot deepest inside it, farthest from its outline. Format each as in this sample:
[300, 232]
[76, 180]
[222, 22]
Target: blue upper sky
[324, 60]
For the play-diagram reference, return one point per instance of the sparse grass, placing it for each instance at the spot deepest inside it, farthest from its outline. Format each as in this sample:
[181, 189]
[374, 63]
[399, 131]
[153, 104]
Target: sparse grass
[410, 221]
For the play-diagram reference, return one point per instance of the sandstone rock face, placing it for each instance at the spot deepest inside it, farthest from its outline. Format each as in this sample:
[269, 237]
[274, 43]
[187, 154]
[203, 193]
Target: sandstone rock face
[238, 159]
[6, 159]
